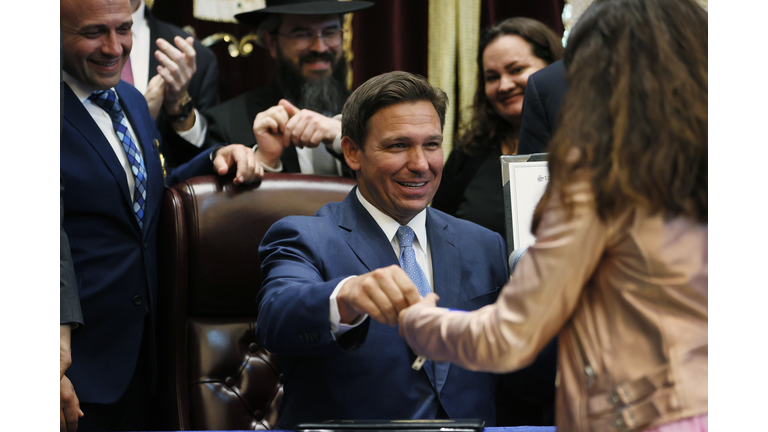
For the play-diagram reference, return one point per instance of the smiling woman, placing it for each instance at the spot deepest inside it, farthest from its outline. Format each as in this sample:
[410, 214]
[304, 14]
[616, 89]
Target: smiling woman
[509, 52]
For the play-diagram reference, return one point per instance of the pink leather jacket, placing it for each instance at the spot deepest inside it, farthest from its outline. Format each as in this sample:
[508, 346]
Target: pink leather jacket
[628, 299]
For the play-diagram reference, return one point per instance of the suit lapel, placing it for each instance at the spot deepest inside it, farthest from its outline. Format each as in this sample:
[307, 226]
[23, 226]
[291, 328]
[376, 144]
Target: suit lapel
[446, 274]
[446, 261]
[364, 236]
[76, 114]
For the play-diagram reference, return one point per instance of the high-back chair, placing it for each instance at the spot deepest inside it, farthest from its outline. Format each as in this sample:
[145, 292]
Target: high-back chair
[212, 373]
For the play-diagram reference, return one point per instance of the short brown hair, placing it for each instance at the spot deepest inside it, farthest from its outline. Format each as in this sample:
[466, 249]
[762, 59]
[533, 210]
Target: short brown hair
[382, 91]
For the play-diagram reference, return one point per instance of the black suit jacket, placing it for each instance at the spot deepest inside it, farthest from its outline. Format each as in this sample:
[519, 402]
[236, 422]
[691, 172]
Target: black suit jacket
[203, 88]
[232, 122]
[541, 106]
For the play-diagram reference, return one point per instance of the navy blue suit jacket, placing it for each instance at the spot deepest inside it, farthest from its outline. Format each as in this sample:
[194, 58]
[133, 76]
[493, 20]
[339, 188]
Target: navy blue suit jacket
[541, 106]
[366, 373]
[115, 261]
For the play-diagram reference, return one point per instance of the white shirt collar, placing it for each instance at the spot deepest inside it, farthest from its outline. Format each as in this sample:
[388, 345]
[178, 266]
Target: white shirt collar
[390, 226]
[81, 91]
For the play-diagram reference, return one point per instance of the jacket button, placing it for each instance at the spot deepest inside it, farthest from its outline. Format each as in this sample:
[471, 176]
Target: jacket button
[137, 300]
[146, 245]
[146, 310]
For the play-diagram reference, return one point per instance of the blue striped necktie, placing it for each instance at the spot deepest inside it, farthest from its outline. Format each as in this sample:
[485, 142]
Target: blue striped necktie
[405, 236]
[107, 100]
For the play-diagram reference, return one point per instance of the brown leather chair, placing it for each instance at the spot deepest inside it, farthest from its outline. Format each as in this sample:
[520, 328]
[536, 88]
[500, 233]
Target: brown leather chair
[212, 373]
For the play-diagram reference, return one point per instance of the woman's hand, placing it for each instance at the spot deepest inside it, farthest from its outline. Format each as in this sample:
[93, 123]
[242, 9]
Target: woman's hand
[430, 300]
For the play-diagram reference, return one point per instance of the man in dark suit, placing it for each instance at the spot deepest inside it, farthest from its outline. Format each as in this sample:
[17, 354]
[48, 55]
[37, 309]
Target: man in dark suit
[530, 391]
[114, 185]
[333, 283]
[541, 105]
[175, 100]
[306, 40]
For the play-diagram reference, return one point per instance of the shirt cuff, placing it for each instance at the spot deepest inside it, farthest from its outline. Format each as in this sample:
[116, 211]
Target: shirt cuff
[196, 134]
[337, 328]
[336, 145]
[268, 168]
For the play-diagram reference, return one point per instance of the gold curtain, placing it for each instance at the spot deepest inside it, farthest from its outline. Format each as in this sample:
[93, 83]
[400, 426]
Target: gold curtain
[454, 31]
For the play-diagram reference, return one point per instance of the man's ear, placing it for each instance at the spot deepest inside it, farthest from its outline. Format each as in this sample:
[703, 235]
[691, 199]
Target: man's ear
[270, 42]
[352, 153]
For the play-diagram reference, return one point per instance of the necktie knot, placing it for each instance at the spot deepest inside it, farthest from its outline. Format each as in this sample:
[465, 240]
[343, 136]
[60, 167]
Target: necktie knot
[106, 100]
[405, 236]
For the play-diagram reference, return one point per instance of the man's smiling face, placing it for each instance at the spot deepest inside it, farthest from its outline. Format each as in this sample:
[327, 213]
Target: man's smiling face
[315, 60]
[96, 38]
[400, 166]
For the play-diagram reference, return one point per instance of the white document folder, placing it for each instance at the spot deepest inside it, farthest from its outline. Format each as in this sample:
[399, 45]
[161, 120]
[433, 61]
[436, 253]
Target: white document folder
[525, 178]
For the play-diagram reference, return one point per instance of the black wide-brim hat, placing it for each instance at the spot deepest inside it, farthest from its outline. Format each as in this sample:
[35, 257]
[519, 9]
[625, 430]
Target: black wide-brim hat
[300, 7]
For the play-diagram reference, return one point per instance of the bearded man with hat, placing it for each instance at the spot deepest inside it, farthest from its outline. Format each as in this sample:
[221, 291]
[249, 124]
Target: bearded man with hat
[294, 123]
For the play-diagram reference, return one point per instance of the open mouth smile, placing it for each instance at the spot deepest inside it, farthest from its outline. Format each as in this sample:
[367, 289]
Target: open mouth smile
[412, 185]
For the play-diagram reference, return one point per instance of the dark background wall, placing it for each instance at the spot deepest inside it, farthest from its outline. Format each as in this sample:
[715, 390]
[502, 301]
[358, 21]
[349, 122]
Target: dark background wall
[391, 35]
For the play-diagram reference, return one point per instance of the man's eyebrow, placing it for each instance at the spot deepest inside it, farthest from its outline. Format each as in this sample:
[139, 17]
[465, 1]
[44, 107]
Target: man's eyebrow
[406, 138]
[93, 27]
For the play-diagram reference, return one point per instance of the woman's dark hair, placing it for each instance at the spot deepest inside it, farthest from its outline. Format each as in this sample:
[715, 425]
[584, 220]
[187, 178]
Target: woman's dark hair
[635, 117]
[487, 128]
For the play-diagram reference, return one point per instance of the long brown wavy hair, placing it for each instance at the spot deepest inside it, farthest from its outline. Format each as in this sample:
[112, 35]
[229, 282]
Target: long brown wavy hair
[636, 111]
[487, 128]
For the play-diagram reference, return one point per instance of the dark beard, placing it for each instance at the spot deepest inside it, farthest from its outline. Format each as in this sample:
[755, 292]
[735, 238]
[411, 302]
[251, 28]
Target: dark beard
[325, 95]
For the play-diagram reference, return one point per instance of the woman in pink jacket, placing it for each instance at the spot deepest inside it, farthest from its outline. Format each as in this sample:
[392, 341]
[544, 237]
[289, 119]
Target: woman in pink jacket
[619, 268]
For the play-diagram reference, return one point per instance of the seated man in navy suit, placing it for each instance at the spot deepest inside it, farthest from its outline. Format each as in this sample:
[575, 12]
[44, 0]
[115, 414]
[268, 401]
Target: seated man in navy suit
[111, 205]
[333, 283]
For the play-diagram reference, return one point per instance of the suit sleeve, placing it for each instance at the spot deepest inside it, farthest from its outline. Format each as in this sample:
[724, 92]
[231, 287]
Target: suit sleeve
[508, 334]
[294, 301]
[534, 127]
[205, 89]
[69, 300]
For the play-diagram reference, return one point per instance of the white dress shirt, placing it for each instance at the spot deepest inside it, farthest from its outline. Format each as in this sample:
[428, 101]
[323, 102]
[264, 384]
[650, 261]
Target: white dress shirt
[140, 54]
[389, 226]
[104, 122]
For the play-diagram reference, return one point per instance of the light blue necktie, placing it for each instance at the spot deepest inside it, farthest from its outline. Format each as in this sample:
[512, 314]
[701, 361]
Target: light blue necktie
[405, 236]
[107, 100]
